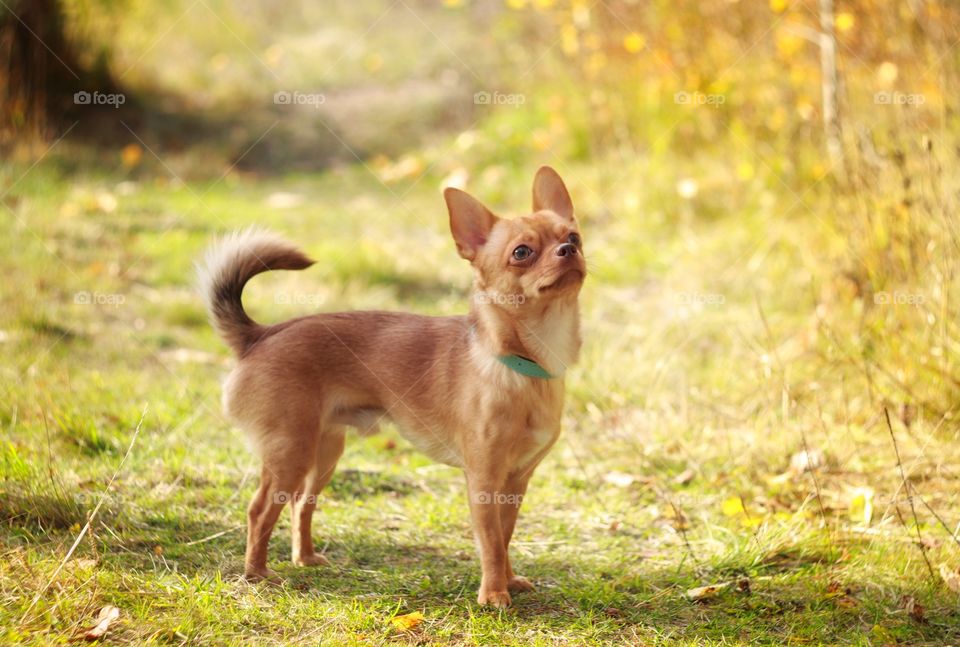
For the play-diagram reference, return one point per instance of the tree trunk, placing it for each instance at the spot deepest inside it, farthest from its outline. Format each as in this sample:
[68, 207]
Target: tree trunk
[39, 71]
[829, 84]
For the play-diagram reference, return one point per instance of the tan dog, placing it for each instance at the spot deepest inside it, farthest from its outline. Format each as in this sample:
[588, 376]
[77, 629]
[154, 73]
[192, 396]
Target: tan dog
[483, 392]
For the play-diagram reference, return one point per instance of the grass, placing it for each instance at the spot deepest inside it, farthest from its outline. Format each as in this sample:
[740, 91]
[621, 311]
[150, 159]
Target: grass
[730, 326]
[672, 472]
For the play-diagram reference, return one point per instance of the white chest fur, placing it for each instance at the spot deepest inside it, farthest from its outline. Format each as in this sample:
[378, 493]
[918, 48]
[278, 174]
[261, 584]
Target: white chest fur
[555, 338]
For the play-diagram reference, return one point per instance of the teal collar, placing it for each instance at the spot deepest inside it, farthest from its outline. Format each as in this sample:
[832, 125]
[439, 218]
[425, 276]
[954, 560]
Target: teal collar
[524, 366]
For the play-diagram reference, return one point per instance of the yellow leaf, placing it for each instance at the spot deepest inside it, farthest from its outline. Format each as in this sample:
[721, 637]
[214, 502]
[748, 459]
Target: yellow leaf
[453, 3]
[634, 42]
[887, 73]
[569, 40]
[845, 21]
[732, 506]
[883, 635]
[861, 505]
[406, 622]
[751, 522]
[516, 4]
[779, 6]
[788, 44]
[130, 155]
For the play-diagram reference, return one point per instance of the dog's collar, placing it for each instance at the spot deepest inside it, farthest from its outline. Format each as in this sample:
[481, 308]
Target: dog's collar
[524, 366]
[520, 364]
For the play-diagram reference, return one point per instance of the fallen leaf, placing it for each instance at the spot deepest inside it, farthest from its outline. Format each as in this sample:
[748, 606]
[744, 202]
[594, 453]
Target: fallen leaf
[883, 634]
[130, 155]
[105, 201]
[107, 615]
[619, 479]
[806, 461]
[406, 622]
[861, 505]
[914, 608]
[842, 594]
[684, 477]
[701, 593]
[284, 200]
[732, 507]
[751, 521]
[950, 577]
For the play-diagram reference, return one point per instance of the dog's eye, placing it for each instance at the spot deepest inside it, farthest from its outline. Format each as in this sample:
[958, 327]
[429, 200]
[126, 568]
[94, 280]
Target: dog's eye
[522, 253]
[574, 238]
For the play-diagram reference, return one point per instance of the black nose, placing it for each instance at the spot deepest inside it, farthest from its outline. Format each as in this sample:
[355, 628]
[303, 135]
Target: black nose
[567, 249]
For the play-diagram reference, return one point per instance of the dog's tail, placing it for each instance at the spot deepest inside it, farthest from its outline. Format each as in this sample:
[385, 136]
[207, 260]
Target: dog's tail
[226, 268]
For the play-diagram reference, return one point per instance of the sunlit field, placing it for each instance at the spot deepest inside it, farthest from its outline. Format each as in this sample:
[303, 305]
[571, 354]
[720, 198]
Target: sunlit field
[760, 439]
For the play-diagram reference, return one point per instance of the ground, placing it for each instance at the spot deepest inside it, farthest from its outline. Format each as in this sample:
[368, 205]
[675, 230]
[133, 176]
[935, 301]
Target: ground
[706, 370]
[764, 403]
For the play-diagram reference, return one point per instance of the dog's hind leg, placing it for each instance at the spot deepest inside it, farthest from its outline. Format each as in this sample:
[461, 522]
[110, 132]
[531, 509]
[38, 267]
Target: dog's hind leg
[329, 450]
[286, 463]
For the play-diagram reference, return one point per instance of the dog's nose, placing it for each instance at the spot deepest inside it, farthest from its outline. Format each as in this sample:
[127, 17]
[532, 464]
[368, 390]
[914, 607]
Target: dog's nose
[567, 249]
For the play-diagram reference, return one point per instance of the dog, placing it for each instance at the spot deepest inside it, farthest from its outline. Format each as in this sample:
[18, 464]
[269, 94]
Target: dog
[483, 391]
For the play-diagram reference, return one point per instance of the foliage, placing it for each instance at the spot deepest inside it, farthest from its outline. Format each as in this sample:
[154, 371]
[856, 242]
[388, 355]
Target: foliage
[726, 473]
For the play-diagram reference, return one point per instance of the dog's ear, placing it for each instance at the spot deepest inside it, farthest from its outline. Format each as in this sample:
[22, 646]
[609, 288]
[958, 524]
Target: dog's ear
[470, 222]
[549, 192]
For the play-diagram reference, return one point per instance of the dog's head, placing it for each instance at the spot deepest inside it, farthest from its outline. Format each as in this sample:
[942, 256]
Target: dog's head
[526, 261]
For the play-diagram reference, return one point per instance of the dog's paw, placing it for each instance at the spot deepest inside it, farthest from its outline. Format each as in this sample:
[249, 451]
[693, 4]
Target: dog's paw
[497, 599]
[266, 576]
[314, 559]
[518, 584]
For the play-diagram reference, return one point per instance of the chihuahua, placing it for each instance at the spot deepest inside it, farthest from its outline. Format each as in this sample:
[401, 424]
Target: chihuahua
[483, 392]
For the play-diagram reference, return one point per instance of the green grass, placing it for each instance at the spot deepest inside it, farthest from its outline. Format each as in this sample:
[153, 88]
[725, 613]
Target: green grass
[725, 332]
[667, 384]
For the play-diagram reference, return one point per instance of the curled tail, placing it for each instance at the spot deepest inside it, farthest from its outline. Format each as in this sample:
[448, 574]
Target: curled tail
[226, 268]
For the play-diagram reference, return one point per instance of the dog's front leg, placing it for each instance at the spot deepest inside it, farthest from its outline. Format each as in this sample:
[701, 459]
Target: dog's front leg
[516, 488]
[484, 483]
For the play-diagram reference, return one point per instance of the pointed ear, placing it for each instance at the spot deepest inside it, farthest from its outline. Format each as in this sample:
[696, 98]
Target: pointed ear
[470, 222]
[549, 192]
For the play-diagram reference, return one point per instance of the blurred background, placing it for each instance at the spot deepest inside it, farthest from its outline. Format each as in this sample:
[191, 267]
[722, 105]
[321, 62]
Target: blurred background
[767, 191]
